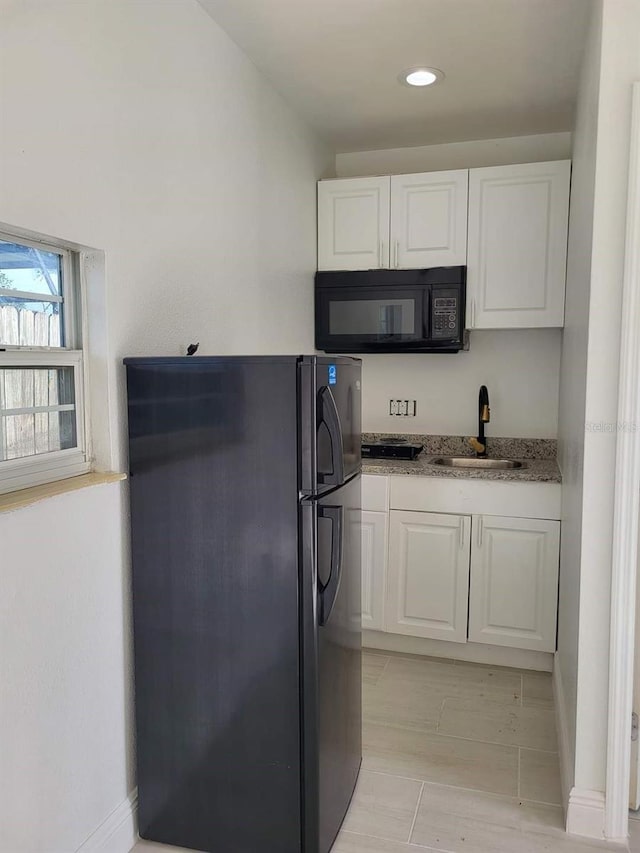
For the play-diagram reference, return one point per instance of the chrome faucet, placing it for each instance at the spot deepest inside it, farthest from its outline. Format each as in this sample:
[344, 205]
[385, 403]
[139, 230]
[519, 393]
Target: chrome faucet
[479, 444]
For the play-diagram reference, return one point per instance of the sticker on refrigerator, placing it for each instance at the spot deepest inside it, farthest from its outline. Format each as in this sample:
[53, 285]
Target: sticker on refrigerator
[333, 374]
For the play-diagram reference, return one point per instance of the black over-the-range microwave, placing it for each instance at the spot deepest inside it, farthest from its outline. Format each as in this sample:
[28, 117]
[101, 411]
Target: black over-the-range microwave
[391, 310]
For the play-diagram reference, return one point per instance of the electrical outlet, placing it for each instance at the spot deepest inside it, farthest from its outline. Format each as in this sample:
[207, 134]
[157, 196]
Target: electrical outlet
[403, 408]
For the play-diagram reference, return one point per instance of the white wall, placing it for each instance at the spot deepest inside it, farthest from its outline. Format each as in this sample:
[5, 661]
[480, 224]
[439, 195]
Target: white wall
[155, 139]
[138, 128]
[620, 67]
[64, 710]
[455, 155]
[445, 387]
[573, 374]
[589, 382]
[520, 369]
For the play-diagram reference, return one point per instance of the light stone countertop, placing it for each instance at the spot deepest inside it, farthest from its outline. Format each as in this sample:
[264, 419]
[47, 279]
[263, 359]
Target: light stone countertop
[539, 455]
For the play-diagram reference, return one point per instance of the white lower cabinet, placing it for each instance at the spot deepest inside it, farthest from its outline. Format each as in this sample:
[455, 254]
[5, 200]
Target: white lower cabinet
[459, 575]
[514, 582]
[428, 575]
[374, 575]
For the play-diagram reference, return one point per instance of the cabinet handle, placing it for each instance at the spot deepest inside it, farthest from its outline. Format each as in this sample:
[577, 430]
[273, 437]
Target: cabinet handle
[395, 253]
[473, 313]
[479, 531]
[461, 531]
[380, 253]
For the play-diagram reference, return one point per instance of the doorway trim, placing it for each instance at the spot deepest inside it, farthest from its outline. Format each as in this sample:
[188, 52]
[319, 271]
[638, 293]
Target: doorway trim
[626, 519]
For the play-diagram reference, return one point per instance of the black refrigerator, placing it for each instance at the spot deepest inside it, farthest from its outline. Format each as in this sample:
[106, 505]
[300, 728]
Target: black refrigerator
[245, 520]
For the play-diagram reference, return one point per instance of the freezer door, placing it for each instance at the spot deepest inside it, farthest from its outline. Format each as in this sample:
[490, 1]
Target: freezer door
[338, 420]
[331, 671]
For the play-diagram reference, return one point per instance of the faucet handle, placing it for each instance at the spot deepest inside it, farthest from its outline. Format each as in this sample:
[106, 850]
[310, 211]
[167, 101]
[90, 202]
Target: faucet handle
[477, 445]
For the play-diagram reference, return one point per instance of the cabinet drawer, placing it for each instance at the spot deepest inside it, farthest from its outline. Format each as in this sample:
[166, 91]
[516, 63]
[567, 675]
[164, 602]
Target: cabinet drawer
[375, 493]
[490, 497]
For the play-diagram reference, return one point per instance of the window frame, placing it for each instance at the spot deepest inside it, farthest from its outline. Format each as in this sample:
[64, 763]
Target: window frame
[39, 469]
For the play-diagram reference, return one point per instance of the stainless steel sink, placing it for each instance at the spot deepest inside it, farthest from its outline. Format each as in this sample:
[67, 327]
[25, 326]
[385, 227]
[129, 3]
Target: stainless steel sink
[474, 462]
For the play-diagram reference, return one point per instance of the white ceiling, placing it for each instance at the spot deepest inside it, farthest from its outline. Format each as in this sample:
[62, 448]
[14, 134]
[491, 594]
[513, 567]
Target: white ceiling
[511, 66]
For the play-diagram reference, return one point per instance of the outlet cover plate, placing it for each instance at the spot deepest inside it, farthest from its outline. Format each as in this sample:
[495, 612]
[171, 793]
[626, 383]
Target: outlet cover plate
[402, 408]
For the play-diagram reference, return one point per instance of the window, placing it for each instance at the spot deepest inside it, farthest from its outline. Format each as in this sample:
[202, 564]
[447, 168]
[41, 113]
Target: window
[42, 417]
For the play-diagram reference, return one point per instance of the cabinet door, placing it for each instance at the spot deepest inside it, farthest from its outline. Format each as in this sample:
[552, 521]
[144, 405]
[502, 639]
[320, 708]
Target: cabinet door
[375, 492]
[428, 575]
[374, 569]
[514, 582]
[517, 248]
[429, 219]
[353, 224]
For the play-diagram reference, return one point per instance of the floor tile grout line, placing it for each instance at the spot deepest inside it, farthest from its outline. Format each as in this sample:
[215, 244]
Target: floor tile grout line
[391, 840]
[535, 749]
[519, 769]
[498, 700]
[492, 697]
[481, 791]
[384, 668]
[426, 659]
[415, 814]
[430, 782]
[443, 785]
[437, 733]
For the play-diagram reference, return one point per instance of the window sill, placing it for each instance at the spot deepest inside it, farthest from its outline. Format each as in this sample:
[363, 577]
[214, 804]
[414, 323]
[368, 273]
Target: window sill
[26, 497]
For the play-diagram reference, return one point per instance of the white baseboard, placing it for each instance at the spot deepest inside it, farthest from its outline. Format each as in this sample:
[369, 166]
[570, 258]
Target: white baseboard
[584, 809]
[585, 813]
[118, 833]
[471, 652]
[565, 749]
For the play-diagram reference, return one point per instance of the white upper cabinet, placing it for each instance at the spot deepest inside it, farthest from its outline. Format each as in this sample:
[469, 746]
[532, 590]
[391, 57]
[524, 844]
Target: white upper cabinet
[517, 245]
[353, 224]
[514, 582]
[429, 219]
[403, 221]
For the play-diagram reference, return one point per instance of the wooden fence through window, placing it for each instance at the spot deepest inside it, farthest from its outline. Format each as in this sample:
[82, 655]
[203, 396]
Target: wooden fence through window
[29, 433]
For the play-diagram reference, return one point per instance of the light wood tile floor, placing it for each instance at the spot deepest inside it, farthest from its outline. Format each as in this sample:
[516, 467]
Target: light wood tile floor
[634, 832]
[456, 757]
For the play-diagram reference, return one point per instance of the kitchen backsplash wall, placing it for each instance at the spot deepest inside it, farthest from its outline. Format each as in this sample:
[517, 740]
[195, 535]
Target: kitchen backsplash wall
[520, 368]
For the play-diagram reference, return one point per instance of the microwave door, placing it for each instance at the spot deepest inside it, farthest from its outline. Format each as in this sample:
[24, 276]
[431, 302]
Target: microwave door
[390, 320]
[353, 320]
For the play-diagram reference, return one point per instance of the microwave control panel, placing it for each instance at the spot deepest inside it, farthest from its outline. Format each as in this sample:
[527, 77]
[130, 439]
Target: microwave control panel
[445, 313]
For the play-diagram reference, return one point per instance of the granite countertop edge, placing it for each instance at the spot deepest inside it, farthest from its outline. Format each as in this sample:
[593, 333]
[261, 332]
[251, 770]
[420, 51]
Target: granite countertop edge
[542, 468]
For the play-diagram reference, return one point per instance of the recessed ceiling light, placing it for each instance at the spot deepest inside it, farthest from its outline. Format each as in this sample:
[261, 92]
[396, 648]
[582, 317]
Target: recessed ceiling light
[420, 76]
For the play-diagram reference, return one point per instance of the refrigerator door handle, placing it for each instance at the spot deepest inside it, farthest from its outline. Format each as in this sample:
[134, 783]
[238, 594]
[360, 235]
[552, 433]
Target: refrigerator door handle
[327, 592]
[329, 415]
